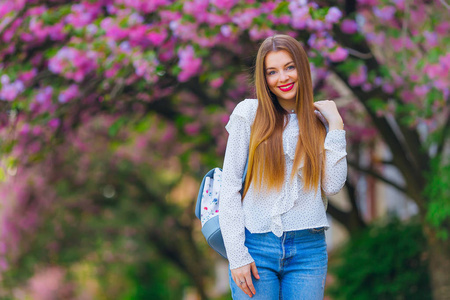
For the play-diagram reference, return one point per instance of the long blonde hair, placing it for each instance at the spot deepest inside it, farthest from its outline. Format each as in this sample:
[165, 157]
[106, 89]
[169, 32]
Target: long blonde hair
[266, 160]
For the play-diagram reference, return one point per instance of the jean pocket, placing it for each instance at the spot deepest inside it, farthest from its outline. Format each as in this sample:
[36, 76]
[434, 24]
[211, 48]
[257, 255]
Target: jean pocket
[316, 230]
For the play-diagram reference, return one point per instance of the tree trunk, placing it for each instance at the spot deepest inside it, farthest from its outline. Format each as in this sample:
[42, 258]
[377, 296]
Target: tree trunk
[439, 264]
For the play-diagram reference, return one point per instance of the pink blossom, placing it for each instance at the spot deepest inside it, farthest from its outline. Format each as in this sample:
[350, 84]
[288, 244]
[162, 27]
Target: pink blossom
[400, 4]
[366, 87]
[73, 63]
[167, 50]
[445, 62]
[349, 26]
[167, 16]
[5, 8]
[224, 119]
[407, 96]
[300, 16]
[45, 284]
[10, 91]
[244, 19]
[368, 2]
[56, 32]
[44, 95]
[333, 15]
[169, 134]
[37, 130]
[388, 88]
[146, 69]
[400, 43]
[218, 19]
[192, 128]
[337, 55]
[386, 13]
[421, 90]
[70, 93]
[224, 4]
[3, 264]
[144, 5]
[28, 75]
[225, 30]
[157, 38]
[431, 39]
[197, 8]
[81, 16]
[442, 28]
[258, 34]
[435, 71]
[54, 123]
[189, 64]
[419, 14]
[217, 83]
[317, 25]
[358, 77]
[112, 71]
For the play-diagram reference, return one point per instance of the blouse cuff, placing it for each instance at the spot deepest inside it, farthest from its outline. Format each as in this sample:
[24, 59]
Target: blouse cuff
[247, 259]
[335, 140]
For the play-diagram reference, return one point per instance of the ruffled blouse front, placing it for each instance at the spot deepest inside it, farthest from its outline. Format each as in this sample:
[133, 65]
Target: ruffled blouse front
[291, 208]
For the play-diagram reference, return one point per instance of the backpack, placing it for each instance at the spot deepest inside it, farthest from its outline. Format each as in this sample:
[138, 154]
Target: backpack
[207, 208]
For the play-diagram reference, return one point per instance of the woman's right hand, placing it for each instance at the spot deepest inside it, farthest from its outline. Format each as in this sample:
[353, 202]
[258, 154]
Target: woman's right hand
[243, 278]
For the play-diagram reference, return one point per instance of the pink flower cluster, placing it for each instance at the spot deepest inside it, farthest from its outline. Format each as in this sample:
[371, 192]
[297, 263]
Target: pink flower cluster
[69, 94]
[190, 64]
[84, 13]
[439, 73]
[359, 76]
[43, 101]
[38, 32]
[224, 4]
[10, 90]
[73, 63]
[146, 68]
[144, 6]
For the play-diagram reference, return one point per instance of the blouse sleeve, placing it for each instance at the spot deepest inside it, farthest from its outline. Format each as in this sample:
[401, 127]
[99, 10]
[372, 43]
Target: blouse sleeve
[231, 217]
[336, 162]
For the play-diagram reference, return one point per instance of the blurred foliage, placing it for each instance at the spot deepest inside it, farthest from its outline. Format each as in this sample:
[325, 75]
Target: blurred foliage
[386, 261]
[438, 191]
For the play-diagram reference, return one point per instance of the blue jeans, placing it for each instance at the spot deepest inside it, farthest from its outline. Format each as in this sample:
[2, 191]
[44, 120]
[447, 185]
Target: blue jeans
[293, 266]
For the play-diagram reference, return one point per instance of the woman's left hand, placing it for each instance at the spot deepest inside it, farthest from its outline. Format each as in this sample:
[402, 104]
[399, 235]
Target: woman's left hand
[329, 110]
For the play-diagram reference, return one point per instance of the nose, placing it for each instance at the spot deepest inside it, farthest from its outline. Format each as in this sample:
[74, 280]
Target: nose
[283, 76]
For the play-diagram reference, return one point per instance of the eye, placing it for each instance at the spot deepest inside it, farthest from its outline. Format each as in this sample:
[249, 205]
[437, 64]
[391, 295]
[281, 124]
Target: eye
[291, 67]
[271, 73]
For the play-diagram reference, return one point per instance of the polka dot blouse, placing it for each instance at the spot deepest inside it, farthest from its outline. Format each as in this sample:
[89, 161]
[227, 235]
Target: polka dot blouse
[292, 208]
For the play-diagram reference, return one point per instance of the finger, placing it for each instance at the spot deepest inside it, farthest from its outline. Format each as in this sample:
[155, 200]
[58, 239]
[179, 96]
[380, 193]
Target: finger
[244, 287]
[249, 281]
[255, 271]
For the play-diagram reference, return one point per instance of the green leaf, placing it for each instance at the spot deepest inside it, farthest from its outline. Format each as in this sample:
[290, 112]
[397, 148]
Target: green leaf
[281, 9]
[116, 126]
[434, 55]
[377, 104]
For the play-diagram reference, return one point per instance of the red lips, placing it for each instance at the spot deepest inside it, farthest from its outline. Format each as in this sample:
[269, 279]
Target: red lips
[286, 87]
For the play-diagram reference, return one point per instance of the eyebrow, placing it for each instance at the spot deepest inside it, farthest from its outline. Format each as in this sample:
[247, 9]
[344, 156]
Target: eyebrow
[284, 65]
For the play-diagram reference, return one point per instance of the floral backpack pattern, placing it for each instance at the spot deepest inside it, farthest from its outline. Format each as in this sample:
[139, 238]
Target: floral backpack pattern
[210, 196]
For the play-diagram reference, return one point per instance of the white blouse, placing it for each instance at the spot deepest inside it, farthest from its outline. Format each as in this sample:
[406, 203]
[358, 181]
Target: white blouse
[292, 208]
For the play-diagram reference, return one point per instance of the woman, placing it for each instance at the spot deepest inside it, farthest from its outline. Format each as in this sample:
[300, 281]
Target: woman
[274, 233]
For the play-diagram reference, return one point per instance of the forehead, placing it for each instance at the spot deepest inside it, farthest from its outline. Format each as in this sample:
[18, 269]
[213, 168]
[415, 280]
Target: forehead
[275, 59]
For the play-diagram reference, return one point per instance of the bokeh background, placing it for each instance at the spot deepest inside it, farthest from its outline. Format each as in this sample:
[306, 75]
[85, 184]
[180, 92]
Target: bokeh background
[111, 112]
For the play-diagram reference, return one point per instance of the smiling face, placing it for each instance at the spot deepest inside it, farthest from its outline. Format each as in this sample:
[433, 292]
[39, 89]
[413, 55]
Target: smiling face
[281, 76]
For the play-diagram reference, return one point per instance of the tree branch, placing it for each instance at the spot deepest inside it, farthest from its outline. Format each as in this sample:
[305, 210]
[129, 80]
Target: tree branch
[376, 175]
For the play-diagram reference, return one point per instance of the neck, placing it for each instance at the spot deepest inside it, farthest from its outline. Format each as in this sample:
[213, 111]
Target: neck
[287, 105]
